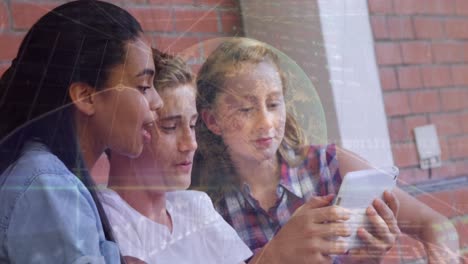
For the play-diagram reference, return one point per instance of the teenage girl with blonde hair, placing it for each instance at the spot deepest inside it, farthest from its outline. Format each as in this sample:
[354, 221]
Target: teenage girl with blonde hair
[271, 187]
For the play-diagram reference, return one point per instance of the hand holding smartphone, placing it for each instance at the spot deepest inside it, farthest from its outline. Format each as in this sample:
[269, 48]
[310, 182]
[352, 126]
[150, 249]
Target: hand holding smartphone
[358, 190]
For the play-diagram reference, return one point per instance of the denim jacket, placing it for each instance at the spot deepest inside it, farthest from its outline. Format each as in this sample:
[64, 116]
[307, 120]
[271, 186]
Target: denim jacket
[47, 215]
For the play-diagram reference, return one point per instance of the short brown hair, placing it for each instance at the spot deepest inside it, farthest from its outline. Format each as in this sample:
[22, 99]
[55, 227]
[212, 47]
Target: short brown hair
[170, 71]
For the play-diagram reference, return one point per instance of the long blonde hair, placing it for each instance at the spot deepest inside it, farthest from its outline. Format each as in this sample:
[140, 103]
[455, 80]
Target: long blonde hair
[213, 171]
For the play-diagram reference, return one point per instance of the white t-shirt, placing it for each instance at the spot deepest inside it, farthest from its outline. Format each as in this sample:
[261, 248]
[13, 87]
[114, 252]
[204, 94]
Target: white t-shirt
[199, 233]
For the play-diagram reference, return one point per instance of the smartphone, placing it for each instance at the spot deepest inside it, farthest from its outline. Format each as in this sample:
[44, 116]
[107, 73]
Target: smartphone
[357, 192]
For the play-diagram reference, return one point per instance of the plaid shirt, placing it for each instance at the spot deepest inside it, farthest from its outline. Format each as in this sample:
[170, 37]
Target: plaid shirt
[317, 175]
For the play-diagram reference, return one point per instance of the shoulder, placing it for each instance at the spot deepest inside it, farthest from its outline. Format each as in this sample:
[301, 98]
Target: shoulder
[320, 150]
[131, 229]
[118, 211]
[36, 161]
[109, 198]
[41, 177]
[316, 156]
[49, 201]
[319, 173]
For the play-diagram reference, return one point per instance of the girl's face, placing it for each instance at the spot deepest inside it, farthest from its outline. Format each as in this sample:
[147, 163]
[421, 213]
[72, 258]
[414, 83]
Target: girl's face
[250, 113]
[126, 107]
[167, 161]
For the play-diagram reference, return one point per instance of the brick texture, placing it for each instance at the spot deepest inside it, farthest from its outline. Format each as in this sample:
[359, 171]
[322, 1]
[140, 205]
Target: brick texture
[171, 2]
[218, 3]
[397, 129]
[400, 27]
[379, 27]
[409, 77]
[428, 27]
[447, 123]
[454, 99]
[25, 14]
[397, 104]
[424, 101]
[456, 28]
[458, 147]
[179, 44]
[10, 44]
[380, 6]
[416, 52]
[460, 74]
[4, 20]
[461, 7]
[425, 81]
[172, 25]
[388, 78]
[431, 68]
[449, 52]
[388, 53]
[196, 21]
[154, 18]
[231, 23]
[405, 154]
[436, 76]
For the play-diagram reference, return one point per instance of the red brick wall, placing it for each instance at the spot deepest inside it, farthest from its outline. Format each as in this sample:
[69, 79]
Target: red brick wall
[172, 25]
[422, 55]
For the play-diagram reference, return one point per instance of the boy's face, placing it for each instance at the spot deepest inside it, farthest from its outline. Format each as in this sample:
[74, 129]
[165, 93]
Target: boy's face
[166, 163]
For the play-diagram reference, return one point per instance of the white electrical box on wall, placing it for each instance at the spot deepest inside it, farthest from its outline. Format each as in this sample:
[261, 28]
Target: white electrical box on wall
[428, 146]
